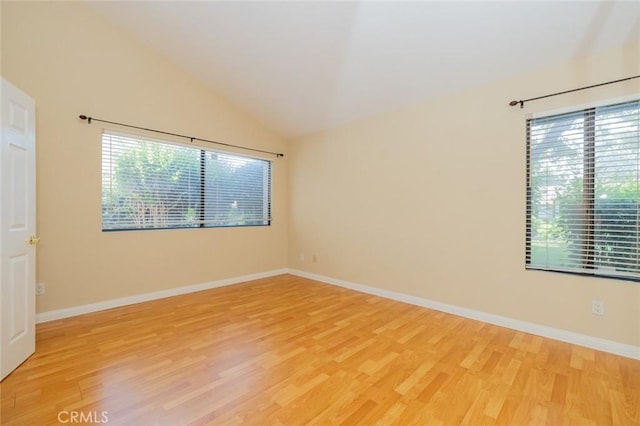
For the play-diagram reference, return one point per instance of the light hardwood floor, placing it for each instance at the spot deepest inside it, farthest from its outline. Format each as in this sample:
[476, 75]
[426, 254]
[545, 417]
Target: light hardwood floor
[289, 351]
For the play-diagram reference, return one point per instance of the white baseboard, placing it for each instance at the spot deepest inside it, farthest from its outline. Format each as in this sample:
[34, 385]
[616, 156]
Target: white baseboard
[116, 303]
[617, 348]
[604, 345]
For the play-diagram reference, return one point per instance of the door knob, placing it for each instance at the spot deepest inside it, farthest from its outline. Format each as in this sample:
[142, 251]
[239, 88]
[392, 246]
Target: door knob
[33, 240]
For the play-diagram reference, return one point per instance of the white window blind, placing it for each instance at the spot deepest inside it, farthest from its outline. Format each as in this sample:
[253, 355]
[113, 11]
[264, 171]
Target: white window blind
[150, 184]
[583, 191]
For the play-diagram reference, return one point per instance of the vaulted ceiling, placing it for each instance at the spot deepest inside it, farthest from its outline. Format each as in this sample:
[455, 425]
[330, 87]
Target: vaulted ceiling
[301, 67]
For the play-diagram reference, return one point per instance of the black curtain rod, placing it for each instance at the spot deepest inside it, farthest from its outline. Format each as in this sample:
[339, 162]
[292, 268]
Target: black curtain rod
[89, 119]
[522, 101]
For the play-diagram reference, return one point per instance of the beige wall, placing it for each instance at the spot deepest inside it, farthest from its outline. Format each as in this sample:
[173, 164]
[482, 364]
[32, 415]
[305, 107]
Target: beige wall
[430, 201]
[72, 61]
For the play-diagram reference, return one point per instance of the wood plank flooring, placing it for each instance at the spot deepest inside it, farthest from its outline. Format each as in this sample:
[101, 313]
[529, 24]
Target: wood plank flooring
[290, 351]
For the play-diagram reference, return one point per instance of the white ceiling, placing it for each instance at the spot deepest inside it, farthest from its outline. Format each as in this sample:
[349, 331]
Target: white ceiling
[300, 67]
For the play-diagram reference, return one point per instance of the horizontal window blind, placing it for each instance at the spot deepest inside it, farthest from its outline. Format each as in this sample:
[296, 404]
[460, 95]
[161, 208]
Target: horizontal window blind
[583, 191]
[150, 184]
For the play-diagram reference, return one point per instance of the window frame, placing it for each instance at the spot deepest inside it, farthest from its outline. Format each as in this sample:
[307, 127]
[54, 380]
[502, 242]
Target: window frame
[589, 184]
[202, 153]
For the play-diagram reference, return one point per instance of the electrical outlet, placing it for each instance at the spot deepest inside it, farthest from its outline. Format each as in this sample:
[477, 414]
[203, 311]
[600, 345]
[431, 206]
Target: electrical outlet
[314, 258]
[39, 289]
[597, 307]
[301, 257]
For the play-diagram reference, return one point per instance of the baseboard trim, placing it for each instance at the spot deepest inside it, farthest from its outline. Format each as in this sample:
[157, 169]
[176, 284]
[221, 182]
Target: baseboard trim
[597, 343]
[130, 300]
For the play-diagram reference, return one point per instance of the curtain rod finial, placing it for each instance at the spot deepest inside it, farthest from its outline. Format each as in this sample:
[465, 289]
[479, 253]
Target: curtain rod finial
[82, 117]
[514, 103]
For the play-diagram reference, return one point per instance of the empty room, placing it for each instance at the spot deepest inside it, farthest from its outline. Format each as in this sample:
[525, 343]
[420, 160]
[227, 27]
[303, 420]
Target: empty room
[318, 212]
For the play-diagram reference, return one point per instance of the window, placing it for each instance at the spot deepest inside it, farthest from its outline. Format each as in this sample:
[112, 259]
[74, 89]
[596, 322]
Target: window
[583, 191]
[150, 184]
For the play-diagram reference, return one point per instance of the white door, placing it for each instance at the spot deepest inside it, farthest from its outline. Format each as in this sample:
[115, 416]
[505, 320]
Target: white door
[17, 228]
